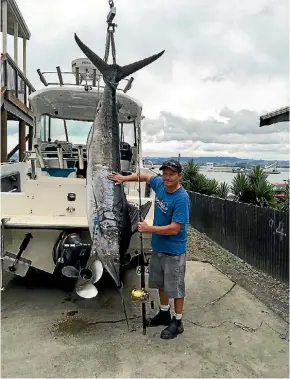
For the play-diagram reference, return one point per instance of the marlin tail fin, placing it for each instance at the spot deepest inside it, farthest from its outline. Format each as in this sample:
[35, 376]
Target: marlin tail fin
[106, 69]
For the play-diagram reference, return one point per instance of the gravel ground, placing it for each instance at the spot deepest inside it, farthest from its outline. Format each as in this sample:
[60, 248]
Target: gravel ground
[267, 289]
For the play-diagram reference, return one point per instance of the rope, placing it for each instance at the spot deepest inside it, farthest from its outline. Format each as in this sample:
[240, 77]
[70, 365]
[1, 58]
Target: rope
[110, 42]
[113, 47]
[107, 47]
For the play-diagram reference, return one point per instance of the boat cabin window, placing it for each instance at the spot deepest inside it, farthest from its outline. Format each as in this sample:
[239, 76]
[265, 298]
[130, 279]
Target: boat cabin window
[76, 131]
[73, 133]
[55, 129]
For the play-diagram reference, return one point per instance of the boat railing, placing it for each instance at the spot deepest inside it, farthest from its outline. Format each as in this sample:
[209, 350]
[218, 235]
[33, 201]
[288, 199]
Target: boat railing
[58, 153]
[88, 81]
[14, 80]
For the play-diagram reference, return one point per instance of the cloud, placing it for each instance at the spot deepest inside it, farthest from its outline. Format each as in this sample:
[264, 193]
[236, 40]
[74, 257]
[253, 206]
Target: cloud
[232, 133]
[225, 63]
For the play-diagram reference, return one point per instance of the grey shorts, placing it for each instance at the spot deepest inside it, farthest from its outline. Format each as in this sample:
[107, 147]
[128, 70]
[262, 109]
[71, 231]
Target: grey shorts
[168, 272]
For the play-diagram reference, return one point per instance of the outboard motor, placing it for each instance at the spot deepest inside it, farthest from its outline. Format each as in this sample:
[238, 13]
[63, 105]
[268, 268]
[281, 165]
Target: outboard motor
[70, 254]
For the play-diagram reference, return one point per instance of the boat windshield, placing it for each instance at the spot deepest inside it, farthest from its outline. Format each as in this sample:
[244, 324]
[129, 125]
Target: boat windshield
[76, 132]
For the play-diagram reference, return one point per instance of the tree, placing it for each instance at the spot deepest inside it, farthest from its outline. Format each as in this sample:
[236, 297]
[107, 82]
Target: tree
[193, 180]
[284, 203]
[254, 188]
[223, 190]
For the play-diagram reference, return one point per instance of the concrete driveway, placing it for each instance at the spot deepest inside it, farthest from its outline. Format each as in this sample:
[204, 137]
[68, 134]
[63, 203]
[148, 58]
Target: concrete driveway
[228, 333]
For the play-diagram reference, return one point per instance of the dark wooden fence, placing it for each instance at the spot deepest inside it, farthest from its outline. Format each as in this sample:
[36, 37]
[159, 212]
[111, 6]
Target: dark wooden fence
[259, 236]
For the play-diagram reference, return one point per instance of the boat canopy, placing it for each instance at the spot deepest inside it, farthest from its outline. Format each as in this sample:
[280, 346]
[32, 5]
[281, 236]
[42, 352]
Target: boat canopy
[75, 103]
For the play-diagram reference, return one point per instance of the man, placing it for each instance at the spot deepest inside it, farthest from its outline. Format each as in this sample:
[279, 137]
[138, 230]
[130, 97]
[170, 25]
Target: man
[169, 240]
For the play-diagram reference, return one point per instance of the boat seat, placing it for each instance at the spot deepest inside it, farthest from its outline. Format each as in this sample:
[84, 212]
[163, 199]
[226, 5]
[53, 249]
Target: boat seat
[126, 151]
[51, 148]
[59, 172]
[81, 173]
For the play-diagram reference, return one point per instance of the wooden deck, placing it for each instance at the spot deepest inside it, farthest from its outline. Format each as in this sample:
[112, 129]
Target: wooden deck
[15, 106]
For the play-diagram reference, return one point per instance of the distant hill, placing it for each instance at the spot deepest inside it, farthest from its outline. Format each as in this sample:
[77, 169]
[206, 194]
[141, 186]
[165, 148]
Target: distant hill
[222, 161]
[218, 161]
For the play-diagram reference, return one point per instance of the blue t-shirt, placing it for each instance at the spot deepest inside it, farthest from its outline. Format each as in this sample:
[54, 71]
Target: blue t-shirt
[170, 207]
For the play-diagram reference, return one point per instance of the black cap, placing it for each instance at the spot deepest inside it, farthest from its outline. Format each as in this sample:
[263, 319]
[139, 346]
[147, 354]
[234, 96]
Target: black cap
[172, 164]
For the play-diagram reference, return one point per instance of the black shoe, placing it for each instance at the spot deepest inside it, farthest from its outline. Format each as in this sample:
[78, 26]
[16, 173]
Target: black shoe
[162, 318]
[172, 331]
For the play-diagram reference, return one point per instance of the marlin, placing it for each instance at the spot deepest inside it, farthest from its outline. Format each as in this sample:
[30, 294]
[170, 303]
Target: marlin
[112, 220]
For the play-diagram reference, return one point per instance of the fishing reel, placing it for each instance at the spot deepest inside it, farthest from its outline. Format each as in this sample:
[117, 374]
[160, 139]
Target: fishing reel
[141, 295]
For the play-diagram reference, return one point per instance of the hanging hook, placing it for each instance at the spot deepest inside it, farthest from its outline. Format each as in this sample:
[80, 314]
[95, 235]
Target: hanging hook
[111, 15]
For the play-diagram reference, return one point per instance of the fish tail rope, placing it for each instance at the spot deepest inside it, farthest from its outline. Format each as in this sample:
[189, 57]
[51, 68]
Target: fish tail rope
[110, 42]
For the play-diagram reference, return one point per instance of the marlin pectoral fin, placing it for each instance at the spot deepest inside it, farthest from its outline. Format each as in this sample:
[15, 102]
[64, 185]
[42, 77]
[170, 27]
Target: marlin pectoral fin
[134, 214]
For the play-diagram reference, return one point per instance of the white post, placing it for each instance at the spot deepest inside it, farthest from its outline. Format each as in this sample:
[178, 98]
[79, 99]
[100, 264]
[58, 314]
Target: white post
[24, 56]
[16, 42]
[4, 25]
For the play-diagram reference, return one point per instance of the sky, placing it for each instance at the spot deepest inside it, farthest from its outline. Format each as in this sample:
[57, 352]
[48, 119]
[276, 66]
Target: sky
[226, 62]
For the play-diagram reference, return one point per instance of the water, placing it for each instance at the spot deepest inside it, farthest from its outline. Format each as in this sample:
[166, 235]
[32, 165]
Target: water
[229, 176]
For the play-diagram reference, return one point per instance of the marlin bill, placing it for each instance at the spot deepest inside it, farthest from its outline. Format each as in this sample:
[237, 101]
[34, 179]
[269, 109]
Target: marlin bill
[112, 219]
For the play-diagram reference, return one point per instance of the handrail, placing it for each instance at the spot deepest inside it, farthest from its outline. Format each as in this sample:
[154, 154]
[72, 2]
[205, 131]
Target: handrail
[16, 148]
[79, 80]
[12, 78]
[6, 56]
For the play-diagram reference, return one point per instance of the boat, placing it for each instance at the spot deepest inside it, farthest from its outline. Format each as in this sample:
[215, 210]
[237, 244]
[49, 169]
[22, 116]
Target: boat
[271, 169]
[43, 215]
[237, 170]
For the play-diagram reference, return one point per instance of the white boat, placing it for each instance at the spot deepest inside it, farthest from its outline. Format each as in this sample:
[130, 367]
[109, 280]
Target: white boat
[271, 169]
[43, 214]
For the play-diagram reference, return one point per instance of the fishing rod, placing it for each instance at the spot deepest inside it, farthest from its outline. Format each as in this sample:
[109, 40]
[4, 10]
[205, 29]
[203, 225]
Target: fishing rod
[142, 263]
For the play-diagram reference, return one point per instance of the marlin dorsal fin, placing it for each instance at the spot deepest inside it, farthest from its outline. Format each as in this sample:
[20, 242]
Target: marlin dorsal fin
[134, 214]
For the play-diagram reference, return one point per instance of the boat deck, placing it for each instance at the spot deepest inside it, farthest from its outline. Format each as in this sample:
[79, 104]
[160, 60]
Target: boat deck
[46, 222]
